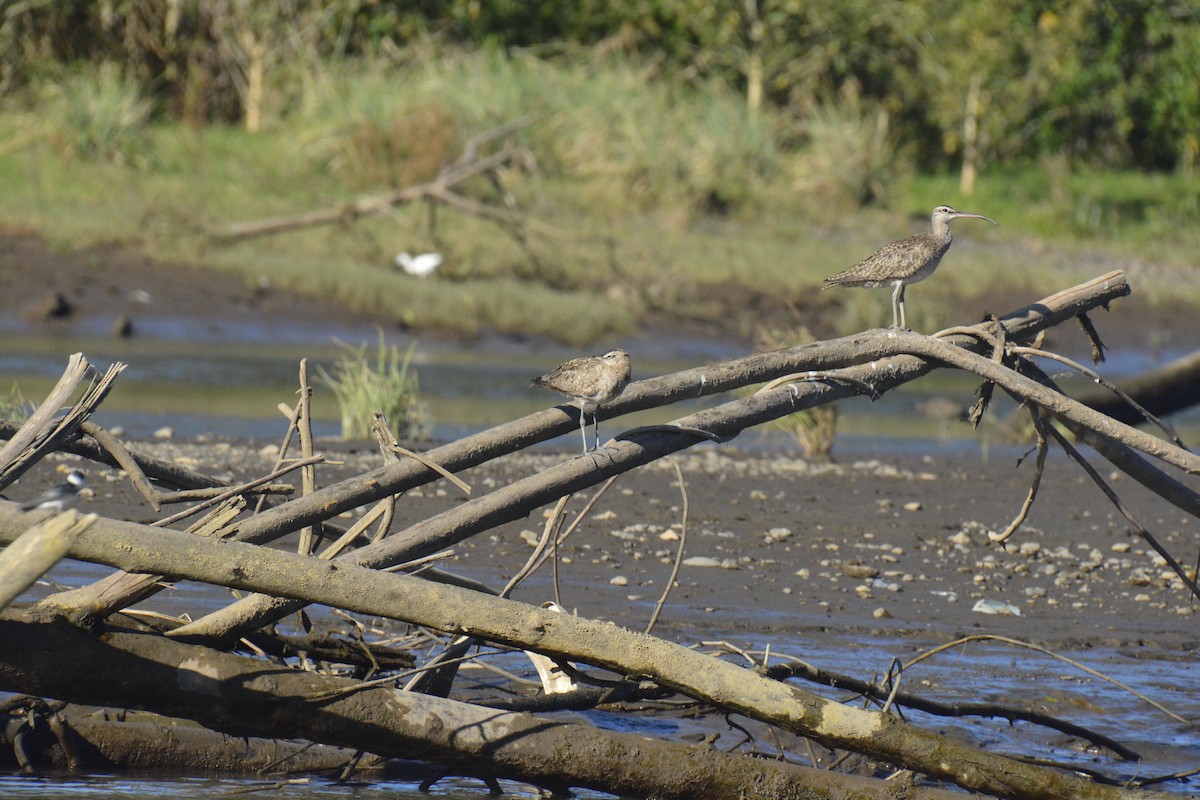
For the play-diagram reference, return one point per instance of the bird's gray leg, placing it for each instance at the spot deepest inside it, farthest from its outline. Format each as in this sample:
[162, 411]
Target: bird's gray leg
[583, 429]
[898, 306]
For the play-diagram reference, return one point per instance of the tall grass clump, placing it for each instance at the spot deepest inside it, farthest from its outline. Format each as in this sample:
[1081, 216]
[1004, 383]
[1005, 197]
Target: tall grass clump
[389, 384]
[813, 428]
[370, 126]
[850, 149]
[97, 114]
[613, 138]
[652, 143]
[15, 408]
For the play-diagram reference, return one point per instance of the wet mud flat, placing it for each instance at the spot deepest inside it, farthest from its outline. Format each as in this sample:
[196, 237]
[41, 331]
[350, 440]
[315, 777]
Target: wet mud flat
[891, 544]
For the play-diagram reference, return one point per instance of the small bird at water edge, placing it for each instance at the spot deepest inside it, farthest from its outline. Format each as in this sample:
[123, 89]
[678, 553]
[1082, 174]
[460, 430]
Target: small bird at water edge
[59, 498]
[421, 266]
[911, 259]
[590, 382]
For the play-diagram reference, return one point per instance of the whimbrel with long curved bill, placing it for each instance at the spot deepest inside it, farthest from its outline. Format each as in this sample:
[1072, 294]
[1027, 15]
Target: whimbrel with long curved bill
[589, 382]
[911, 259]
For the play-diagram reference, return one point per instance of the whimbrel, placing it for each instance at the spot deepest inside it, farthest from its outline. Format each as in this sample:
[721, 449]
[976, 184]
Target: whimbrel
[589, 382]
[912, 259]
[59, 498]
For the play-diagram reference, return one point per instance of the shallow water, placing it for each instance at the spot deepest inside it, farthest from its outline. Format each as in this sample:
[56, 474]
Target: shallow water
[232, 388]
[140, 786]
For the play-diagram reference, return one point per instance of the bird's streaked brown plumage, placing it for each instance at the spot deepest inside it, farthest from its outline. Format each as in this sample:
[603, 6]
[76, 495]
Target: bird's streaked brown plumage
[911, 259]
[590, 382]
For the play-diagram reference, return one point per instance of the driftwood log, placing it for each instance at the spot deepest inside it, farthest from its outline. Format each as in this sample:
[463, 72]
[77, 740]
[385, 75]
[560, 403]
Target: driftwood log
[1172, 387]
[181, 674]
[440, 190]
[246, 697]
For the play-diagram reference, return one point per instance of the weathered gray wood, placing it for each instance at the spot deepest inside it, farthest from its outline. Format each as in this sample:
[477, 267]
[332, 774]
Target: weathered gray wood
[149, 741]
[17, 454]
[46, 434]
[36, 551]
[140, 548]
[1165, 390]
[1055, 402]
[437, 189]
[90, 449]
[394, 478]
[248, 697]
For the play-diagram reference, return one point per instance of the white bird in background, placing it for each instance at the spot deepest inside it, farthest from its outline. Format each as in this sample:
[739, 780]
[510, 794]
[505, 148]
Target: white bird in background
[61, 497]
[421, 266]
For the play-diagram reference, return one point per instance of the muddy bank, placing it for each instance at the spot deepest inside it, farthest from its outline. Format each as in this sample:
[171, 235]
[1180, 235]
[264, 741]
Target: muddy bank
[94, 289]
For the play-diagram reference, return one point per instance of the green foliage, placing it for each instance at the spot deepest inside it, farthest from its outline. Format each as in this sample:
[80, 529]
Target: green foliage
[850, 148]
[649, 197]
[16, 408]
[1113, 82]
[97, 114]
[390, 384]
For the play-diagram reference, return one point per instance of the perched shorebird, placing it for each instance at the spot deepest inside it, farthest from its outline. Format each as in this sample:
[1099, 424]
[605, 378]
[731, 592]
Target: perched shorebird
[61, 497]
[420, 266]
[589, 382]
[912, 259]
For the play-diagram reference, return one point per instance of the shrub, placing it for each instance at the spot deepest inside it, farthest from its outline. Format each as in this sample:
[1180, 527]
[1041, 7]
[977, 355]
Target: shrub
[98, 114]
[390, 384]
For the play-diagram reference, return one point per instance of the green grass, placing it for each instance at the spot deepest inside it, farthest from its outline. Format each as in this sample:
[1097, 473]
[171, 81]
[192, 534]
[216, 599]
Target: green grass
[650, 198]
[16, 408]
[390, 385]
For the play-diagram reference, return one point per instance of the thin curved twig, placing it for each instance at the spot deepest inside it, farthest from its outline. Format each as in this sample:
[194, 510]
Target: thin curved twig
[1039, 469]
[559, 539]
[662, 601]
[985, 637]
[549, 534]
[1037, 352]
[123, 457]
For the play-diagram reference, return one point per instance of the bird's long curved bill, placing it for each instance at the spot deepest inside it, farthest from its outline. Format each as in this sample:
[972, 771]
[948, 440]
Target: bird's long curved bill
[975, 216]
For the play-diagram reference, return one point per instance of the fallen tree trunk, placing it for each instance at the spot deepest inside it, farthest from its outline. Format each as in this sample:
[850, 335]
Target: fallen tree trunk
[148, 741]
[1166, 390]
[895, 364]
[248, 697]
[470, 451]
[468, 165]
[238, 565]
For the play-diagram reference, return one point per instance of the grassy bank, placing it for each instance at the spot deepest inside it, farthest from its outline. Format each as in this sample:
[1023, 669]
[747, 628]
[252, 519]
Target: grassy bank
[647, 199]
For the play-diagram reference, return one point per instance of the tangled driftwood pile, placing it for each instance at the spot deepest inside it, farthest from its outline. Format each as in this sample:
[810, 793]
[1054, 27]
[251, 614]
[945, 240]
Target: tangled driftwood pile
[231, 672]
